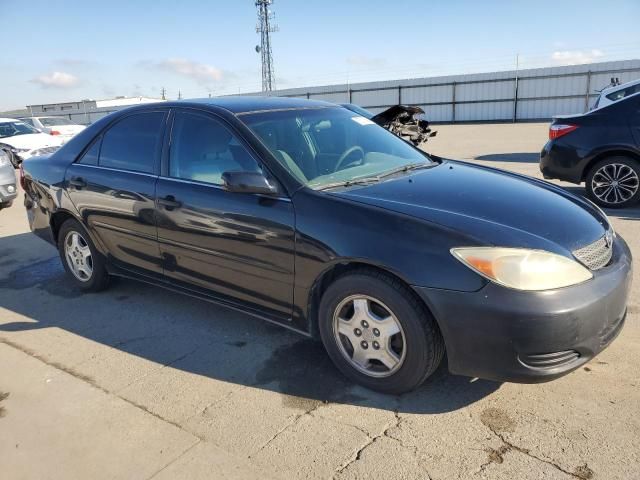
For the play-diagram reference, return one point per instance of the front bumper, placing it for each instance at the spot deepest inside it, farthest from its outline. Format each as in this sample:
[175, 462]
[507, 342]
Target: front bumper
[528, 337]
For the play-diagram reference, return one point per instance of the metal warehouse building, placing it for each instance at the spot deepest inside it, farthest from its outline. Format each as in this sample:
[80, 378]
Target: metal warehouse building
[534, 94]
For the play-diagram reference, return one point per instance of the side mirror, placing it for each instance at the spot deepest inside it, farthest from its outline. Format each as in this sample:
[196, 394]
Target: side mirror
[248, 182]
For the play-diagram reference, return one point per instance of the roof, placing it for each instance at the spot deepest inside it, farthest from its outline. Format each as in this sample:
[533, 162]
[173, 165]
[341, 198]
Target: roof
[8, 119]
[243, 104]
[622, 86]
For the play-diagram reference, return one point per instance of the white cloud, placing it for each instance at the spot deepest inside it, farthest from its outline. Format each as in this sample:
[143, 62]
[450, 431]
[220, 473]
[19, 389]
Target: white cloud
[576, 57]
[57, 80]
[200, 72]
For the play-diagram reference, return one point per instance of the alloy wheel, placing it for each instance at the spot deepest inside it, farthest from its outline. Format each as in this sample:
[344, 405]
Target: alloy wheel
[78, 255]
[369, 335]
[615, 183]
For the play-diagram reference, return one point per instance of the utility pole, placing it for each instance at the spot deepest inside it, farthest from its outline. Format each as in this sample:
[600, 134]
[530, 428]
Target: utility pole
[164, 93]
[179, 95]
[265, 27]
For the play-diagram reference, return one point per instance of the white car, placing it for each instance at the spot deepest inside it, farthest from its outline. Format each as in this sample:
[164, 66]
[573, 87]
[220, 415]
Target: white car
[614, 93]
[21, 141]
[57, 126]
[8, 189]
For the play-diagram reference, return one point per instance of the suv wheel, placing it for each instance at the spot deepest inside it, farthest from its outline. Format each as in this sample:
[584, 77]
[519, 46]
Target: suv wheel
[80, 259]
[614, 182]
[377, 332]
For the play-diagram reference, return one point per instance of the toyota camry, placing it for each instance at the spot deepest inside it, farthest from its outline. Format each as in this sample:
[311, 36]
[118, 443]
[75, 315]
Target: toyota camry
[308, 215]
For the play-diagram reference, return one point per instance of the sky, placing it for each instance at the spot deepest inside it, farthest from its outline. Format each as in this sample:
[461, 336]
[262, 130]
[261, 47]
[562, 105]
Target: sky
[71, 50]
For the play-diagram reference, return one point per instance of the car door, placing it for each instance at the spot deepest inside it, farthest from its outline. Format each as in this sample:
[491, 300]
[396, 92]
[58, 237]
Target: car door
[238, 245]
[634, 119]
[113, 187]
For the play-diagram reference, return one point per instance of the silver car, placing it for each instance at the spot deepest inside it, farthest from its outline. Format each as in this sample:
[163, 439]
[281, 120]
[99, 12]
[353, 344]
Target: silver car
[8, 189]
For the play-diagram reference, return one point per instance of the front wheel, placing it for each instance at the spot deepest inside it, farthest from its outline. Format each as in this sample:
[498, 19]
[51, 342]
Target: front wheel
[377, 332]
[614, 182]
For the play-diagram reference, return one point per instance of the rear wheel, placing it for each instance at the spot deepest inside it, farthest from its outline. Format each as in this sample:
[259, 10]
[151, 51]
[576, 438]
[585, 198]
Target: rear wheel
[614, 182]
[80, 259]
[378, 333]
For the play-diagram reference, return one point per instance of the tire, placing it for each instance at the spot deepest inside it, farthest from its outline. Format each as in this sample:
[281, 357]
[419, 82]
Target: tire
[422, 345]
[94, 263]
[606, 193]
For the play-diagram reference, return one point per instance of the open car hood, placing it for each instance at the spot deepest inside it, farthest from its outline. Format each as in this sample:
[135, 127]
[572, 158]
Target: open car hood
[401, 120]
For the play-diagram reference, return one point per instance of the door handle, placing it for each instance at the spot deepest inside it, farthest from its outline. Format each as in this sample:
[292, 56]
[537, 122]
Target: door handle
[169, 202]
[77, 182]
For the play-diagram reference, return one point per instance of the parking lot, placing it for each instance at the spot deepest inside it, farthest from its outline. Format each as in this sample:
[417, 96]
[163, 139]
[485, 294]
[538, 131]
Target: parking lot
[138, 382]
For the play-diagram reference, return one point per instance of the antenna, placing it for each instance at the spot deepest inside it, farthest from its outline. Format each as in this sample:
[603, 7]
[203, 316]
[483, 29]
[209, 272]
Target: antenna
[265, 27]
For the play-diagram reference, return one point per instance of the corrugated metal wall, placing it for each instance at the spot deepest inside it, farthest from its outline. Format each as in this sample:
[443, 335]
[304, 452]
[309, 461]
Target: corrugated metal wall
[540, 94]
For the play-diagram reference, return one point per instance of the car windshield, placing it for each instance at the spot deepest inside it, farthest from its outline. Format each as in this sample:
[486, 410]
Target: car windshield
[12, 129]
[53, 121]
[326, 146]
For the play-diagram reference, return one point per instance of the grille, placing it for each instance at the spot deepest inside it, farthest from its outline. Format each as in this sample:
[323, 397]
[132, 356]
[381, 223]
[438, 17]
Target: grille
[549, 360]
[596, 255]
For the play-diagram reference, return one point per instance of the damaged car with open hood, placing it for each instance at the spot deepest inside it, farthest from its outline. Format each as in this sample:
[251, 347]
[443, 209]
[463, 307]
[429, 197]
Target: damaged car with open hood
[405, 121]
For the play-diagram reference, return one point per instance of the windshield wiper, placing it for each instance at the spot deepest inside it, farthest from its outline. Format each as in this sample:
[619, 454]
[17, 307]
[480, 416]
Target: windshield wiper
[349, 183]
[377, 178]
[405, 168]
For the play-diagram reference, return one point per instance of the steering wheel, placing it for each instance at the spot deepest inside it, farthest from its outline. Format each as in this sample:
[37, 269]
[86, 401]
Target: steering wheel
[347, 153]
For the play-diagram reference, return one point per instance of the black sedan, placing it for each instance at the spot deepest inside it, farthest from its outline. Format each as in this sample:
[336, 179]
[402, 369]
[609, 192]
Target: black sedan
[313, 217]
[600, 148]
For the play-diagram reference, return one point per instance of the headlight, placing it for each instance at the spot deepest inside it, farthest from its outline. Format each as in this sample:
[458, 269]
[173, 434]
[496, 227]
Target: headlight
[523, 269]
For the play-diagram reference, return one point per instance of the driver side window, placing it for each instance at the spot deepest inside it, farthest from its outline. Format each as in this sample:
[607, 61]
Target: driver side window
[202, 149]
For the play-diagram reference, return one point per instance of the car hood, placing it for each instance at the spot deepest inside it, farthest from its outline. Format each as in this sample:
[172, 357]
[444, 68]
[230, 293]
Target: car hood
[31, 141]
[490, 206]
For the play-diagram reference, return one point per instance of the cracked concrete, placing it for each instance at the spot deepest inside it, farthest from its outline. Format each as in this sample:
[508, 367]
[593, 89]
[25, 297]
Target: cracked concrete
[141, 380]
[582, 471]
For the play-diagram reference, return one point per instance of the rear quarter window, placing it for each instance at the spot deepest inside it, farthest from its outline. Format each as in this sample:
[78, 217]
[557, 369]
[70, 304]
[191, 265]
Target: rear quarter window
[625, 92]
[90, 157]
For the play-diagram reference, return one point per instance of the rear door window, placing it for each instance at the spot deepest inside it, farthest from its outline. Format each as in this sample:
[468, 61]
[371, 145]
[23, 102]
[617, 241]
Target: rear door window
[133, 143]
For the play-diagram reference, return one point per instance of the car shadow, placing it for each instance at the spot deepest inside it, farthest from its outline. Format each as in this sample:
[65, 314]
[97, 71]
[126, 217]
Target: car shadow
[521, 157]
[199, 337]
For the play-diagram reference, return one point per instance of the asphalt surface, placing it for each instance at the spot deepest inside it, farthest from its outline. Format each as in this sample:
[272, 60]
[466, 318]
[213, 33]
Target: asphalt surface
[138, 382]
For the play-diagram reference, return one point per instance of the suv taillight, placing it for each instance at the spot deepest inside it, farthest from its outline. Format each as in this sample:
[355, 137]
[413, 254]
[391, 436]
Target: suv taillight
[54, 132]
[558, 130]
